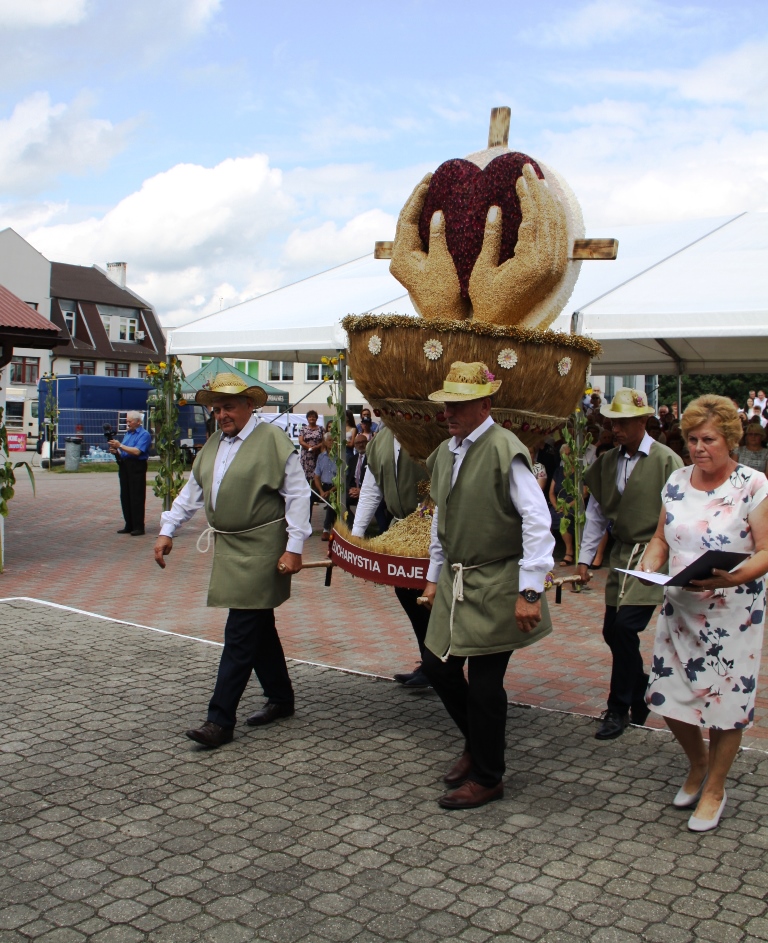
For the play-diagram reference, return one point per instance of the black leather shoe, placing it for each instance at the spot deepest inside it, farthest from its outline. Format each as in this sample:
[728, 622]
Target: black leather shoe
[419, 682]
[638, 715]
[405, 677]
[125, 530]
[270, 712]
[211, 735]
[613, 725]
[137, 533]
[471, 795]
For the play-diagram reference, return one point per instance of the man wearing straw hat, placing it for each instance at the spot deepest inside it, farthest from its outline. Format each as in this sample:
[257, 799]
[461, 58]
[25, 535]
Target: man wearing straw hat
[625, 485]
[256, 499]
[491, 549]
[394, 478]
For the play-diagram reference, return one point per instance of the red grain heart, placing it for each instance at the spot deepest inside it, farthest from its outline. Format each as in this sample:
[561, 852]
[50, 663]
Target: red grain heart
[465, 193]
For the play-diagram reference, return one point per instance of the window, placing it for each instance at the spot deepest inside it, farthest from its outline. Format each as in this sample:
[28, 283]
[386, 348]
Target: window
[31, 304]
[25, 369]
[143, 371]
[120, 324]
[204, 361]
[251, 367]
[117, 369]
[14, 414]
[69, 310]
[280, 370]
[128, 328]
[313, 373]
[83, 368]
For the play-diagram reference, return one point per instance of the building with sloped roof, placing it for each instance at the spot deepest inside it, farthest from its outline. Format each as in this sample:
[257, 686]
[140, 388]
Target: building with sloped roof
[104, 328]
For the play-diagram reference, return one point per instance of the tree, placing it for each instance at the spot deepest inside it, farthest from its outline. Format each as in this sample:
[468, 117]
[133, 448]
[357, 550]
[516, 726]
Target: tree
[733, 385]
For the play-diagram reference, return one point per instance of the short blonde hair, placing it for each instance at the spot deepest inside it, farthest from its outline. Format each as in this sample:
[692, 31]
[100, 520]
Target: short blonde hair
[718, 410]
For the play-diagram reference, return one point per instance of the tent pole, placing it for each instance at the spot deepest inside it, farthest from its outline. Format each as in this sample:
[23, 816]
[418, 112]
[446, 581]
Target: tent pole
[679, 392]
[341, 445]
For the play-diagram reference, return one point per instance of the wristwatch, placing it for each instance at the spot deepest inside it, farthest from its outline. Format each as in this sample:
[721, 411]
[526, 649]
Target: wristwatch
[530, 595]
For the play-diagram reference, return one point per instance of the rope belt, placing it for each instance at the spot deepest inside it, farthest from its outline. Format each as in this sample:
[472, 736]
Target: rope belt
[635, 550]
[458, 592]
[212, 530]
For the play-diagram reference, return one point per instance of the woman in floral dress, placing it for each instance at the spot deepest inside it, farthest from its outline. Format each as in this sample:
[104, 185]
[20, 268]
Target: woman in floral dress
[311, 442]
[709, 636]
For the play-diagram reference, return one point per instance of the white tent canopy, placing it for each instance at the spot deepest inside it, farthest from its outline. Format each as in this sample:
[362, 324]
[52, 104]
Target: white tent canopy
[690, 295]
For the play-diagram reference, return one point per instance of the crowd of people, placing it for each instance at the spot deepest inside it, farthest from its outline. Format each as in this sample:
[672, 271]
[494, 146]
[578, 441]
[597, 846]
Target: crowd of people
[490, 551]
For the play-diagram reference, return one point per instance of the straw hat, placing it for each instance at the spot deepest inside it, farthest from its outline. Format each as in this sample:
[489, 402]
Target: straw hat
[227, 384]
[626, 404]
[466, 381]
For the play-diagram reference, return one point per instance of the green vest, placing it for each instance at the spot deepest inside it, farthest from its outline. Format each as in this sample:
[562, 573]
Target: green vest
[478, 524]
[244, 573]
[635, 516]
[399, 490]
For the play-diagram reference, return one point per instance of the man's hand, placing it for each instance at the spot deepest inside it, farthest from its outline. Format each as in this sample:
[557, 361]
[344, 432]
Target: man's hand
[353, 493]
[113, 444]
[163, 546]
[289, 563]
[428, 595]
[430, 277]
[527, 614]
[582, 570]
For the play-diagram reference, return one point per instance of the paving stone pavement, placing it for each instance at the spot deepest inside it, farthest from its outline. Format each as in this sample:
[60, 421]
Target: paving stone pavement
[115, 828]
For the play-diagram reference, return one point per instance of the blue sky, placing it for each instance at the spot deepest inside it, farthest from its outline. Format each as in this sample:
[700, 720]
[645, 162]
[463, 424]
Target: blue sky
[223, 147]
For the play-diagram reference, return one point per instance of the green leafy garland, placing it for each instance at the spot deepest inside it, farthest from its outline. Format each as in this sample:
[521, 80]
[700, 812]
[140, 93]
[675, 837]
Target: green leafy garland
[571, 507]
[332, 373]
[8, 477]
[166, 379]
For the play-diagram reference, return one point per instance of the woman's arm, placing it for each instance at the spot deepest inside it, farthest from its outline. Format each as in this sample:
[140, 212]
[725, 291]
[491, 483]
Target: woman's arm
[751, 569]
[657, 552]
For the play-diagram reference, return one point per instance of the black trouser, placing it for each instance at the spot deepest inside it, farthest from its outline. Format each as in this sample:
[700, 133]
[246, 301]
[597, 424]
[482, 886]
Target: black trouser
[132, 473]
[251, 643]
[418, 615]
[478, 707]
[330, 515]
[621, 630]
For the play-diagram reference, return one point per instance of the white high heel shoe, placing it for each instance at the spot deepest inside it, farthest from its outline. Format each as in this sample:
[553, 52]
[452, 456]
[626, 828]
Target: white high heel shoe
[706, 825]
[684, 800]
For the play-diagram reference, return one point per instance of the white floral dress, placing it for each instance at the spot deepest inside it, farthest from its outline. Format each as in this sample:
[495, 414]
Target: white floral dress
[706, 655]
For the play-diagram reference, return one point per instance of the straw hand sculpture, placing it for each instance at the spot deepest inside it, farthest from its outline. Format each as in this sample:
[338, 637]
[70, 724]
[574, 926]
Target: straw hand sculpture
[512, 292]
[430, 277]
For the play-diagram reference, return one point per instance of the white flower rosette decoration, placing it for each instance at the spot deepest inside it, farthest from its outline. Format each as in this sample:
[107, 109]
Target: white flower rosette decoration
[374, 344]
[507, 358]
[433, 349]
[564, 366]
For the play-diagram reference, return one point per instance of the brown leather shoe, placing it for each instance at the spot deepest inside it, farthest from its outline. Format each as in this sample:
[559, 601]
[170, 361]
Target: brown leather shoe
[458, 773]
[471, 795]
[211, 735]
[268, 713]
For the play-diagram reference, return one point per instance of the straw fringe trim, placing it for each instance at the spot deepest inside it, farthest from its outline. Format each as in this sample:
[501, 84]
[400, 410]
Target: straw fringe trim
[353, 323]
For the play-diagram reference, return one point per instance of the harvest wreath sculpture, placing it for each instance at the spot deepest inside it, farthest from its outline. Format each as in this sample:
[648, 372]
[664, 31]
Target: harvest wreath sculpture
[485, 248]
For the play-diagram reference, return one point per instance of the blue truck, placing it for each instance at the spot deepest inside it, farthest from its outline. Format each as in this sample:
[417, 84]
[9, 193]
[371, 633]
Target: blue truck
[88, 404]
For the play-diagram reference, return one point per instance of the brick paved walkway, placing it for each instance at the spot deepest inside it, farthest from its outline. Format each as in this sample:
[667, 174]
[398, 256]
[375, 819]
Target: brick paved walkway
[62, 547]
[116, 829]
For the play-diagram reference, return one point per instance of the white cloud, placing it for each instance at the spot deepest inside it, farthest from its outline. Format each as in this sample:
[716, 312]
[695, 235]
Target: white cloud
[26, 14]
[40, 141]
[597, 22]
[327, 244]
[738, 77]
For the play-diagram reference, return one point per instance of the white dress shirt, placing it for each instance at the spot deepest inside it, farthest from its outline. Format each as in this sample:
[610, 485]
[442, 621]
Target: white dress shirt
[531, 505]
[370, 498]
[294, 490]
[596, 522]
